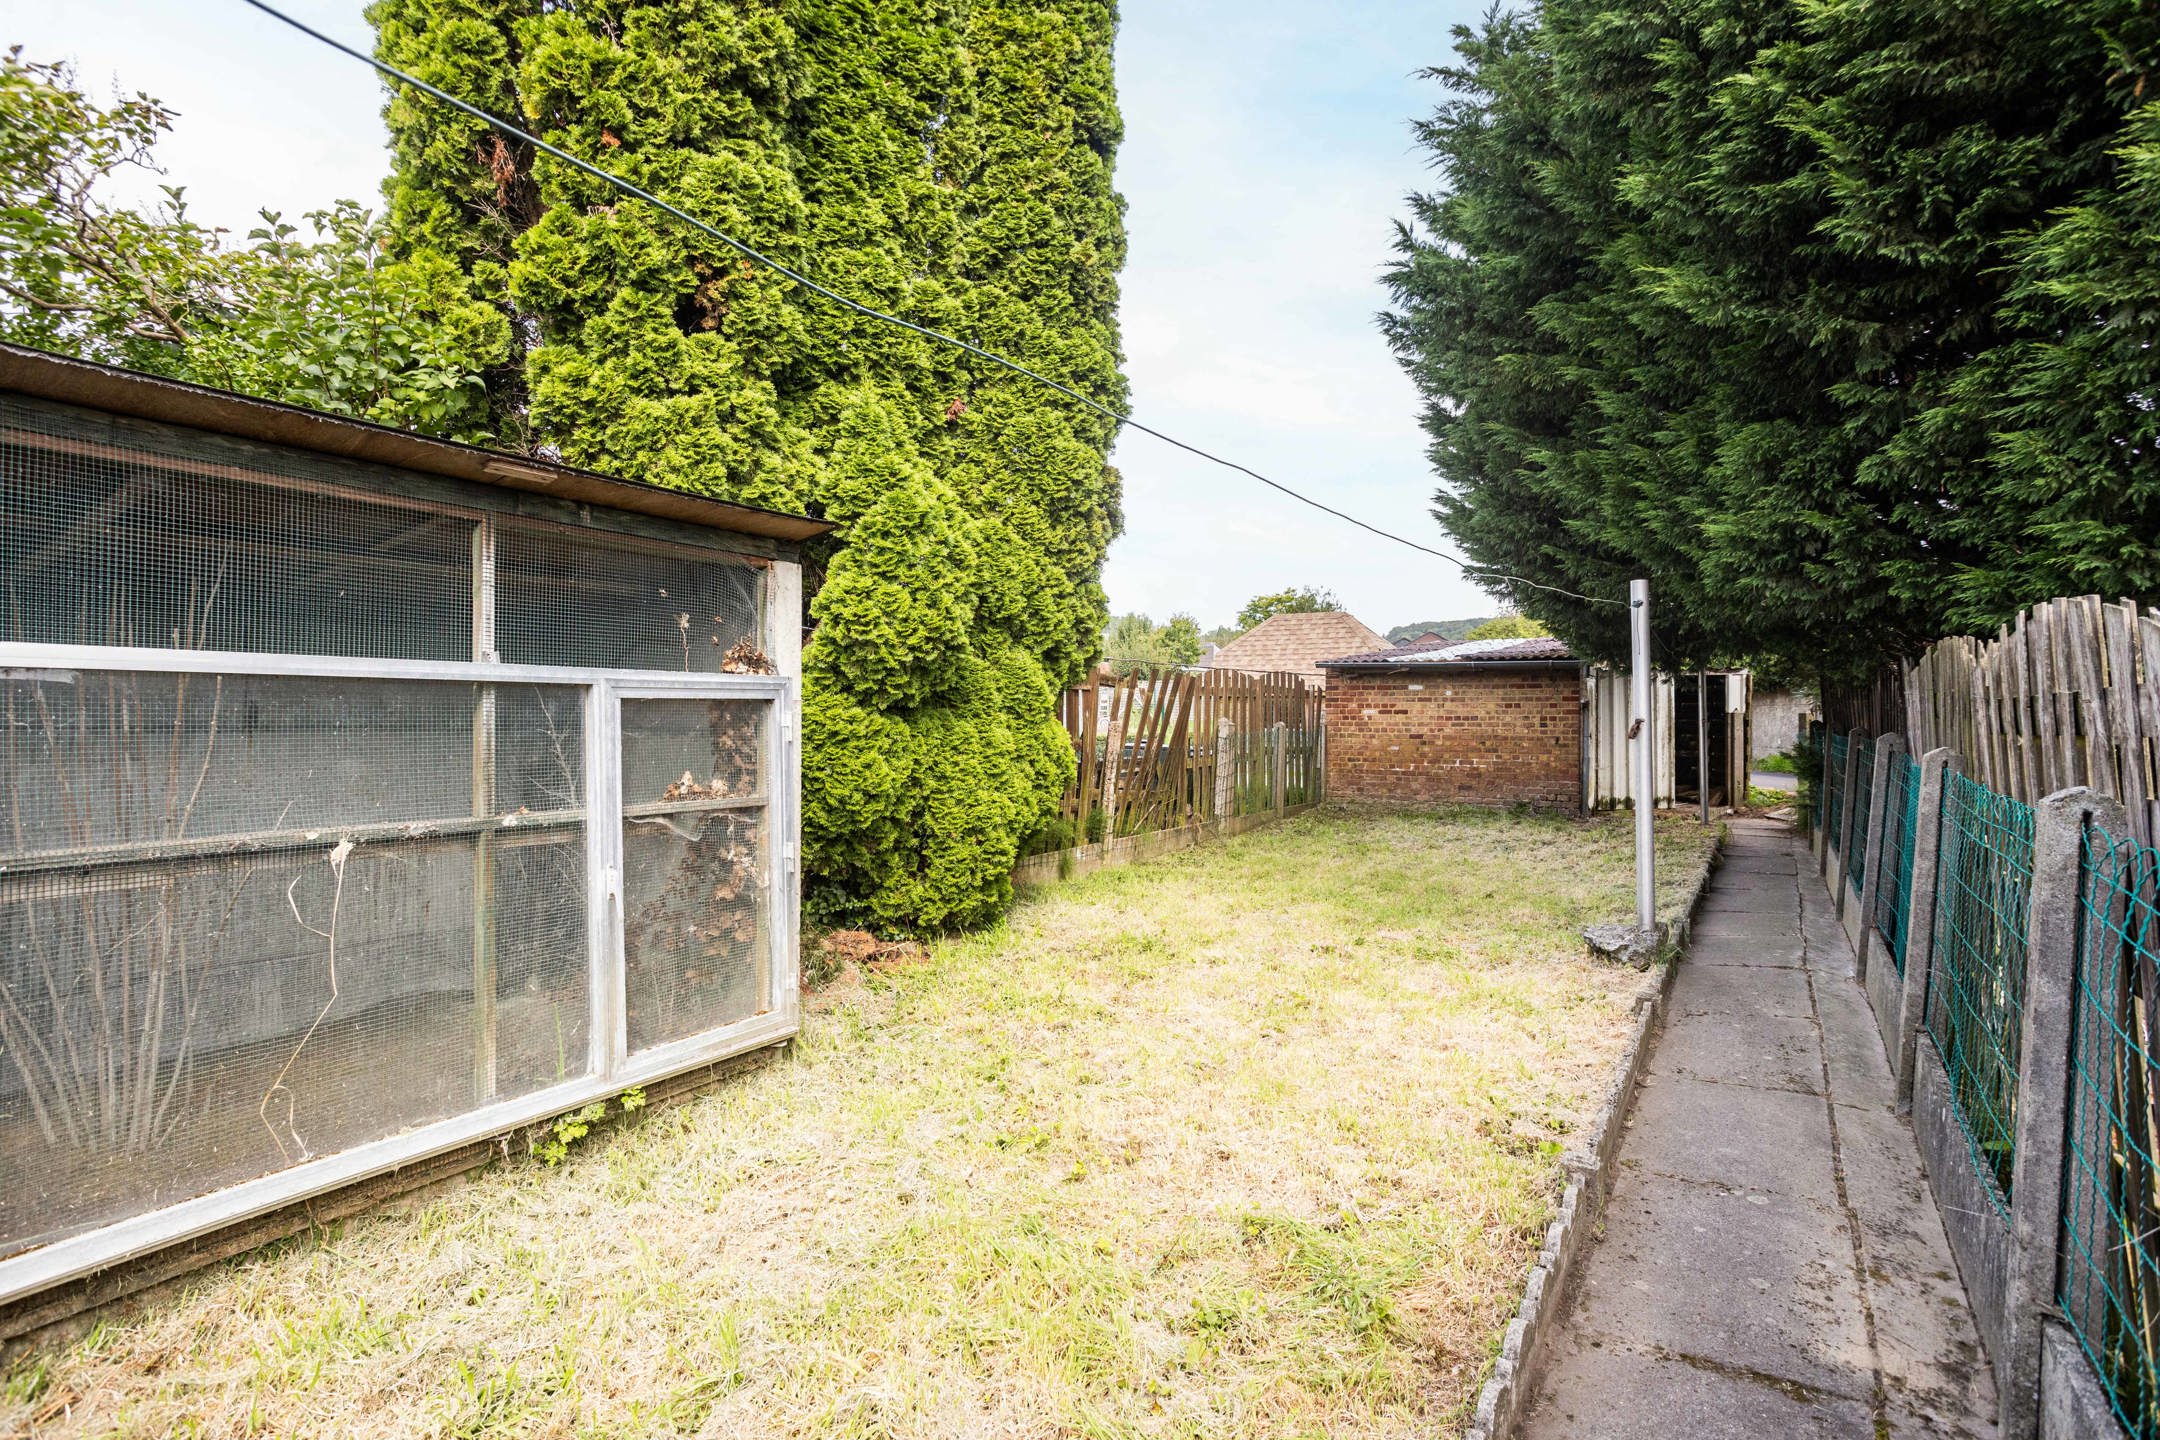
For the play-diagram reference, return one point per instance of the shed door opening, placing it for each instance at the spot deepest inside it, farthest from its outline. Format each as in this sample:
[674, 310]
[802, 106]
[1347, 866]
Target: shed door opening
[1702, 743]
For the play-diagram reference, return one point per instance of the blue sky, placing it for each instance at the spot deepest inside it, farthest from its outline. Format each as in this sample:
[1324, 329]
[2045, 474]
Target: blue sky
[1266, 154]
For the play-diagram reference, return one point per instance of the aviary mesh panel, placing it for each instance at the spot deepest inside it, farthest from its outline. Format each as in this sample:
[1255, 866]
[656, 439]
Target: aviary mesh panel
[695, 866]
[589, 599]
[199, 986]
[143, 535]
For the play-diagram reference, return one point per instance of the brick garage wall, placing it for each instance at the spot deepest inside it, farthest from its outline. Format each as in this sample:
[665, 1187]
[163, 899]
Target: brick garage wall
[1487, 737]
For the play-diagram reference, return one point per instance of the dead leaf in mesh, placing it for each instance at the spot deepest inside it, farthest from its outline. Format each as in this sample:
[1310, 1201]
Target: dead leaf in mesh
[744, 658]
[689, 788]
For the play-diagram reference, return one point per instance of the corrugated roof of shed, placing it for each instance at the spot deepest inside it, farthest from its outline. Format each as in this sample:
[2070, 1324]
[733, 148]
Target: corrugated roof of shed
[150, 397]
[1534, 650]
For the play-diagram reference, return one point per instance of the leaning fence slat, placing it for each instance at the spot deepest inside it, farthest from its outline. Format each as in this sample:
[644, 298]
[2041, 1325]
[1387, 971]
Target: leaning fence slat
[2061, 685]
[2120, 625]
[2148, 645]
[2081, 627]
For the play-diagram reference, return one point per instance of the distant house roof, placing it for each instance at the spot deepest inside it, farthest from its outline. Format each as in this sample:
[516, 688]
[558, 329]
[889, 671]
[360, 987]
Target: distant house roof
[1420, 642]
[1296, 643]
[1542, 650]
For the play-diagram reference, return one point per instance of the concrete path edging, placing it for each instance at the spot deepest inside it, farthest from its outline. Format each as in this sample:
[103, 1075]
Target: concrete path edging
[1589, 1176]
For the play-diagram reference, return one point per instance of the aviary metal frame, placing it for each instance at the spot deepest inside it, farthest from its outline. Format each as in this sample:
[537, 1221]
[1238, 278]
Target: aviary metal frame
[610, 1068]
[609, 1064]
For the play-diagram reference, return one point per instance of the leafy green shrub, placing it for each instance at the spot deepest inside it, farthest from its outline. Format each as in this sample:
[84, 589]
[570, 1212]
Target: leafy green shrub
[948, 164]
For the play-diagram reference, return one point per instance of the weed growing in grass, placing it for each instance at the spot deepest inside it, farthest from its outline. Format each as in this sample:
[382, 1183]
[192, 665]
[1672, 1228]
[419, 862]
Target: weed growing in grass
[551, 1144]
[1254, 1140]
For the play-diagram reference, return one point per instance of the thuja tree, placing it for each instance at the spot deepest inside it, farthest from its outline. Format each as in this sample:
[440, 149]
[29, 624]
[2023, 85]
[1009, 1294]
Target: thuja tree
[949, 162]
[1830, 319]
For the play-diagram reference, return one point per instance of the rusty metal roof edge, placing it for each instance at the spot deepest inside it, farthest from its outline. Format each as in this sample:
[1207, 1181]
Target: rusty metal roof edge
[177, 402]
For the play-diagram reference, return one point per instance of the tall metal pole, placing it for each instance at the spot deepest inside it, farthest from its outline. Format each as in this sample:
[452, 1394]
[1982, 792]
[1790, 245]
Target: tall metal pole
[1642, 732]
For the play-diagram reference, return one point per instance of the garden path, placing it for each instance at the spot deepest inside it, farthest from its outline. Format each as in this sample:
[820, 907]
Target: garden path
[1771, 1261]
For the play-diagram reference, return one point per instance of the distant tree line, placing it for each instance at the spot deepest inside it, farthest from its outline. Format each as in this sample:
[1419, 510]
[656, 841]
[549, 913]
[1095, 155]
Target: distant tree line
[1837, 321]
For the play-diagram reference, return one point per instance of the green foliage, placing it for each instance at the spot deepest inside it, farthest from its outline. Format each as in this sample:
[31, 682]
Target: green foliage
[328, 320]
[1507, 627]
[1133, 642]
[949, 163]
[553, 1141]
[1833, 320]
[1778, 764]
[1284, 602]
[1445, 629]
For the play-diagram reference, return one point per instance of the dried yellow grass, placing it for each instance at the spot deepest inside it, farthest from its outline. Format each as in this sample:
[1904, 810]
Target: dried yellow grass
[1254, 1140]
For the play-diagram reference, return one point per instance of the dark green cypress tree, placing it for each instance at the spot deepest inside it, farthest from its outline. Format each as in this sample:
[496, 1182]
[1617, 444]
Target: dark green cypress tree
[1725, 292]
[949, 162]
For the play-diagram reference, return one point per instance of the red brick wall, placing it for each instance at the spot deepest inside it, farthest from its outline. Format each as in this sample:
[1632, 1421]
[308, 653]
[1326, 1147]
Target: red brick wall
[1488, 737]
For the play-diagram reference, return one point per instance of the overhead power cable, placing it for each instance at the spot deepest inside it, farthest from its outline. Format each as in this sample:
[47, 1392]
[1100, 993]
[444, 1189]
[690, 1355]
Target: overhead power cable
[1120, 417]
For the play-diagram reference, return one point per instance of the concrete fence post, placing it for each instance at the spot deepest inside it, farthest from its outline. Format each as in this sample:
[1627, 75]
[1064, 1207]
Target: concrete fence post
[2043, 1088]
[1936, 768]
[1889, 749]
[1844, 837]
[1225, 770]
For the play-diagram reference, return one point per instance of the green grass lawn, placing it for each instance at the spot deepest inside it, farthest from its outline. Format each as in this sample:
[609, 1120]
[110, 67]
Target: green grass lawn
[1253, 1140]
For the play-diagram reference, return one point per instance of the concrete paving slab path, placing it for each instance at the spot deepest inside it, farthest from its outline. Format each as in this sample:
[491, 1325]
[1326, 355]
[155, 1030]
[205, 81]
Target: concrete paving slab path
[1770, 1260]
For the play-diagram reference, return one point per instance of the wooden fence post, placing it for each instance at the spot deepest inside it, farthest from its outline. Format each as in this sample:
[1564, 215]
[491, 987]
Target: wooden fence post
[1282, 756]
[1936, 768]
[1225, 771]
[2043, 1087]
[1889, 749]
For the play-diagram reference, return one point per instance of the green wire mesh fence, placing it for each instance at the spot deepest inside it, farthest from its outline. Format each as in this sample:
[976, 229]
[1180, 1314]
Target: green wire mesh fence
[1893, 892]
[2110, 1274]
[1815, 758]
[1834, 784]
[1976, 983]
[1863, 771]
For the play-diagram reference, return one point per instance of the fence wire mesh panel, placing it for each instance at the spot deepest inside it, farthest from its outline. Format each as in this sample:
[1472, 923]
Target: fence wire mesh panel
[2110, 1273]
[1817, 759]
[251, 921]
[578, 598]
[1862, 760]
[1893, 892]
[1976, 983]
[1834, 784]
[695, 865]
[132, 538]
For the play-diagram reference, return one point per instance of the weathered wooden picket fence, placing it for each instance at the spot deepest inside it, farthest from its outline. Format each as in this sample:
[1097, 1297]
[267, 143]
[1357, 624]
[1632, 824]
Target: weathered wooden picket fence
[2067, 694]
[1162, 748]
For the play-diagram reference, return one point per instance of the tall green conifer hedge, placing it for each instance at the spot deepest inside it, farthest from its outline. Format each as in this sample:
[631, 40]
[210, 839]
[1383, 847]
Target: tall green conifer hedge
[946, 160]
[1837, 319]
